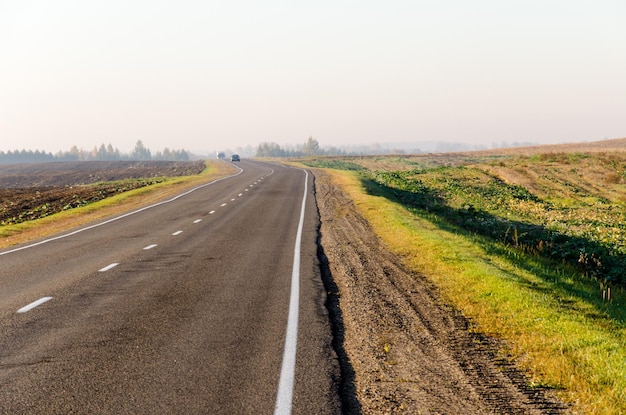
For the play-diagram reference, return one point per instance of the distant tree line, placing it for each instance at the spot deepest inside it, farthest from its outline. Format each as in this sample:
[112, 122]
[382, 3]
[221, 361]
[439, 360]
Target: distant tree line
[102, 153]
[310, 148]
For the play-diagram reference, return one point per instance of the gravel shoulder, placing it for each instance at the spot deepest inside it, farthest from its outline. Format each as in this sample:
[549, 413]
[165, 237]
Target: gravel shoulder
[402, 350]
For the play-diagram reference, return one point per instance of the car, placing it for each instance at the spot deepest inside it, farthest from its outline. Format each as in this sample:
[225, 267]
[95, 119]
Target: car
[234, 157]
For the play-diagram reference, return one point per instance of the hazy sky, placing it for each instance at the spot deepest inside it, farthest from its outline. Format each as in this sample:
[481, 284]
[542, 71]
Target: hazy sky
[206, 75]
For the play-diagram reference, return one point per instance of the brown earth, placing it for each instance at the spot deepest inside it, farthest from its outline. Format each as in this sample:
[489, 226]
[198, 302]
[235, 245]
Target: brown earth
[403, 351]
[32, 191]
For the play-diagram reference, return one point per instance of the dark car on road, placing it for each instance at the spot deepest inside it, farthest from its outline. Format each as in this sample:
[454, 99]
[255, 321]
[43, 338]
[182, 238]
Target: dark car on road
[234, 157]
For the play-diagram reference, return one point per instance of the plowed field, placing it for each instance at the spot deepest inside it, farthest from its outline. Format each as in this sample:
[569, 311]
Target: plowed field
[32, 191]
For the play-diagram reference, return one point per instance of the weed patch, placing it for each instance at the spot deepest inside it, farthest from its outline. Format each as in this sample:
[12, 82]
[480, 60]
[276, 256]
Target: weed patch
[586, 237]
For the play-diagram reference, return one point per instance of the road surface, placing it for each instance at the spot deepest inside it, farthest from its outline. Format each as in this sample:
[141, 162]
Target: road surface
[179, 308]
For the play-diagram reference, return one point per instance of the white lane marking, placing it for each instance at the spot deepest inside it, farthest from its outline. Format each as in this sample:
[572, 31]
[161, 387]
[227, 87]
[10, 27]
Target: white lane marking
[106, 222]
[240, 194]
[34, 304]
[211, 212]
[197, 221]
[177, 233]
[147, 248]
[232, 200]
[284, 397]
[108, 267]
[223, 204]
[245, 190]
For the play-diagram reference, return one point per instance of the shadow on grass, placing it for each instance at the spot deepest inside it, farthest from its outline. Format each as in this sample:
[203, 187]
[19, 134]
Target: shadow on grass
[556, 258]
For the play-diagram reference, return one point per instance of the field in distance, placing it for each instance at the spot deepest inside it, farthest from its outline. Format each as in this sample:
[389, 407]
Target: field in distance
[33, 191]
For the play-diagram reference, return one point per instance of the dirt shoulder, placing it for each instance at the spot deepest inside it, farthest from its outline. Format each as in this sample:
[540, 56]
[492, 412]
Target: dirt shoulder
[403, 350]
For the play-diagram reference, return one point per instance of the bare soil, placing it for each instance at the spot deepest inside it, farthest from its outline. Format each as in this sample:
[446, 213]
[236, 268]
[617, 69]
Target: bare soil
[32, 191]
[402, 350]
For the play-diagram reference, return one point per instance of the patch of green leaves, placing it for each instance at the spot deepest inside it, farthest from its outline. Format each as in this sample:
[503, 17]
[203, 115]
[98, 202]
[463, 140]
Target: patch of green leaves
[478, 202]
[332, 163]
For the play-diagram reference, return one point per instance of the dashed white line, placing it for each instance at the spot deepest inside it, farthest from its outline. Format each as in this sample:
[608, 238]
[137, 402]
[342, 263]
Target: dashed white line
[240, 194]
[223, 204]
[232, 200]
[197, 221]
[108, 267]
[34, 304]
[211, 212]
[177, 233]
[150, 247]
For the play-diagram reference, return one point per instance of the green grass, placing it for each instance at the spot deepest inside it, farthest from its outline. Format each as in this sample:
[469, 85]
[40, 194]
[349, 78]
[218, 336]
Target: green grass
[550, 314]
[334, 163]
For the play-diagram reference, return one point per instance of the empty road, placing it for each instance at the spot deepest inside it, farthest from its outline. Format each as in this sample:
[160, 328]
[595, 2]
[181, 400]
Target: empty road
[203, 304]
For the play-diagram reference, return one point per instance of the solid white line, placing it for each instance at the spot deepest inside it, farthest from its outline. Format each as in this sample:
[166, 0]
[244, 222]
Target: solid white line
[284, 397]
[197, 221]
[177, 233]
[34, 304]
[150, 247]
[108, 267]
[121, 216]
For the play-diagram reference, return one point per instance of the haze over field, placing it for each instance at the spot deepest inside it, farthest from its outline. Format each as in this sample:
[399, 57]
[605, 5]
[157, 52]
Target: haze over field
[206, 75]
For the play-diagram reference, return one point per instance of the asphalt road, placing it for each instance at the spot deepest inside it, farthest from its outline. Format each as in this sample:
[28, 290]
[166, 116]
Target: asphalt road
[181, 308]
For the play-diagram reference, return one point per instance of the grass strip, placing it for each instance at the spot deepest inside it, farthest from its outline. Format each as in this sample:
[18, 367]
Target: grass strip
[540, 309]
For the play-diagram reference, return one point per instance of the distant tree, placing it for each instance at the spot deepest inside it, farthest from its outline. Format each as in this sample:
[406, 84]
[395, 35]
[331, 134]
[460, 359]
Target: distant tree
[181, 155]
[167, 154]
[171, 155]
[25, 156]
[102, 152]
[311, 147]
[113, 153]
[140, 152]
[270, 150]
[74, 153]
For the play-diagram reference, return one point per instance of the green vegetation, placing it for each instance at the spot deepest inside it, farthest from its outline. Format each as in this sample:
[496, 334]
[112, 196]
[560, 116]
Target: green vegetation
[334, 163]
[529, 248]
[588, 236]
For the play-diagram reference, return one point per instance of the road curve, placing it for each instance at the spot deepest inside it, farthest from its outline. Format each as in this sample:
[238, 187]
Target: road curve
[179, 308]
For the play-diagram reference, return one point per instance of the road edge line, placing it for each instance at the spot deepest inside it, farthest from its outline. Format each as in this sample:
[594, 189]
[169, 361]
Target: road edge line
[284, 397]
